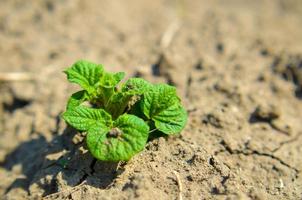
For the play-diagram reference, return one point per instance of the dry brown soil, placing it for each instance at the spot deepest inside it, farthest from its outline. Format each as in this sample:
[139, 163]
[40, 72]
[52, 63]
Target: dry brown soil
[236, 63]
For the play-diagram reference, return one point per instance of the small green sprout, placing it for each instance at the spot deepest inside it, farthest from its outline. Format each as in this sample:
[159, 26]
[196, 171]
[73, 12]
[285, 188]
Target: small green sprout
[119, 118]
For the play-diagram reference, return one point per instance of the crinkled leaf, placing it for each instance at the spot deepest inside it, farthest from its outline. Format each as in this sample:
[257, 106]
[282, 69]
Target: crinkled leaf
[136, 86]
[118, 103]
[130, 93]
[107, 85]
[119, 76]
[158, 98]
[83, 118]
[126, 137]
[86, 74]
[111, 80]
[171, 120]
[76, 99]
[162, 105]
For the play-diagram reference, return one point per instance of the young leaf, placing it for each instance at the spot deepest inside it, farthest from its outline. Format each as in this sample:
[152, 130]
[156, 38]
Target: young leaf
[136, 86]
[118, 103]
[107, 85]
[162, 105]
[86, 74]
[126, 137]
[130, 93]
[111, 80]
[76, 99]
[83, 118]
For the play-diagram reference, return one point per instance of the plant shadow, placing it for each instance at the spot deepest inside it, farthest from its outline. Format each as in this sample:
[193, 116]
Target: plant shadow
[49, 166]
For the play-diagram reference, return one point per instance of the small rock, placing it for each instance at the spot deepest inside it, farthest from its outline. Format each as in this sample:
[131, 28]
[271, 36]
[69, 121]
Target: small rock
[78, 138]
[267, 112]
[281, 126]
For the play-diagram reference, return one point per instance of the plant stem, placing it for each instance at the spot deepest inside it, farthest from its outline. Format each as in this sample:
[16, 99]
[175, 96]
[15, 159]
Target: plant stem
[153, 130]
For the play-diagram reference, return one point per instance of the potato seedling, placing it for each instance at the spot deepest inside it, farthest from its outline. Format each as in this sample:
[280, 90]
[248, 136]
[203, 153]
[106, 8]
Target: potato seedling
[118, 117]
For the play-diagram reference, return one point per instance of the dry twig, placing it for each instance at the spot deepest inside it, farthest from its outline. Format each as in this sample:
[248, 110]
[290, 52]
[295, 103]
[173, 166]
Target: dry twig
[15, 76]
[179, 184]
[169, 34]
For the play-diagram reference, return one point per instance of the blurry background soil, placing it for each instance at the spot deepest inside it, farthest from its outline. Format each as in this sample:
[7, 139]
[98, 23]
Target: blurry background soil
[237, 65]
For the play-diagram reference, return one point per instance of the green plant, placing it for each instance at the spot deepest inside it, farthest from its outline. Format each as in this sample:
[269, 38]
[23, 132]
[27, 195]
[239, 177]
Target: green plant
[117, 117]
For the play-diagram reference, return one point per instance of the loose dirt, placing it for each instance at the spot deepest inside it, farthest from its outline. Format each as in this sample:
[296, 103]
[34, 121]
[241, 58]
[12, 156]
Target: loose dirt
[237, 65]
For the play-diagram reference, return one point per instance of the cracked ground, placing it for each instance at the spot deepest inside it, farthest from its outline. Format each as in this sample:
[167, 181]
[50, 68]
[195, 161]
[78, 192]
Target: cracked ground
[237, 66]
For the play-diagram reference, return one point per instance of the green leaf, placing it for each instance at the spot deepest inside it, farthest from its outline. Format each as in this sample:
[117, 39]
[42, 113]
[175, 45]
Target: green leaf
[76, 99]
[119, 76]
[107, 85]
[136, 109]
[171, 120]
[126, 137]
[162, 105]
[86, 74]
[136, 86]
[118, 103]
[111, 80]
[83, 118]
[158, 98]
[130, 93]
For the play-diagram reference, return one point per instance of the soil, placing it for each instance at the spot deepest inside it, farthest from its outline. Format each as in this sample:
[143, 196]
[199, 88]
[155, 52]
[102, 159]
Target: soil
[237, 65]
